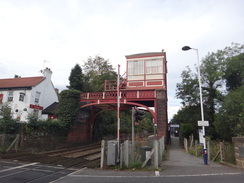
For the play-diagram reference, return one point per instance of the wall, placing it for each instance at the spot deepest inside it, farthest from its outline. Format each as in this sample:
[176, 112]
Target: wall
[162, 119]
[239, 151]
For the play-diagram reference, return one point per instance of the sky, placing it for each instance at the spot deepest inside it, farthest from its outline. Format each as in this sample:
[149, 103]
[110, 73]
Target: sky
[61, 33]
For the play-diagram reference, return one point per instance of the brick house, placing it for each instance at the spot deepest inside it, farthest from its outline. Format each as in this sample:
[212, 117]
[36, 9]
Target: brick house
[28, 95]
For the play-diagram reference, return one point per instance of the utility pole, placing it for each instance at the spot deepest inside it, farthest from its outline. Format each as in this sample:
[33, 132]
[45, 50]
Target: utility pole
[118, 112]
[133, 132]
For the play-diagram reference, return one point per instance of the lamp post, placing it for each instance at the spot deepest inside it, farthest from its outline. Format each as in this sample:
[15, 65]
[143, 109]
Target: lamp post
[205, 156]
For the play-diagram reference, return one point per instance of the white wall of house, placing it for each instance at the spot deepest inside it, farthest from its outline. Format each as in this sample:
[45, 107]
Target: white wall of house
[21, 109]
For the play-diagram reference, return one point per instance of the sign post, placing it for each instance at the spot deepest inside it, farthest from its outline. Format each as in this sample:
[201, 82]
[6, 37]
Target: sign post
[203, 140]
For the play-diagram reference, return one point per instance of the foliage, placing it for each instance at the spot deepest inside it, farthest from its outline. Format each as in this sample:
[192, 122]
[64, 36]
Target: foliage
[230, 117]
[187, 90]
[106, 123]
[76, 78]
[146, 124]
[188, 115]
[37, 127]
[234, 72]
[7, 124]
[220, 70]
[97, 70]
[187, 129]
[68, 106]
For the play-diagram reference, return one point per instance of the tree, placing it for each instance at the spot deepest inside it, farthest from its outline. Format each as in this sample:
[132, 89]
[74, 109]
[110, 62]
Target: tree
[230, 118]
[68, 107]
[76, 78]
[97, 70]
[188, 90]
[188, 115]
[234, 72]
[7, 124]
[216, 67]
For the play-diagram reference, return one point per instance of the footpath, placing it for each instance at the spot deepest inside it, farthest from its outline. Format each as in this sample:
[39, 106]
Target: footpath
[178, 164]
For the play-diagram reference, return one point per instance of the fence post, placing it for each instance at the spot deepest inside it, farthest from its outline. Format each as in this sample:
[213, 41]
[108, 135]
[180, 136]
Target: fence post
[192, 139]
[208, 148]
[102, 153]
[16, 143]
[126, 153]
[155, 146]
[121, 155]
[221, 151]
[196, 147]
[186, 144]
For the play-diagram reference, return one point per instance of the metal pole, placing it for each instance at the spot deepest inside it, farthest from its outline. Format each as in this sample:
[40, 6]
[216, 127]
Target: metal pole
[133, 133]
[202, 113]
[118, 113]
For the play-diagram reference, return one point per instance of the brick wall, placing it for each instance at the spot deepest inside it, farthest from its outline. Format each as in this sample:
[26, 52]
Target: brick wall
[81, 130]
[162, 119]
[239, 151]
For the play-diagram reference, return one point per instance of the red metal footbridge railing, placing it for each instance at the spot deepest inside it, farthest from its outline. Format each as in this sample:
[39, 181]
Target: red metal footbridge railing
[135, 94]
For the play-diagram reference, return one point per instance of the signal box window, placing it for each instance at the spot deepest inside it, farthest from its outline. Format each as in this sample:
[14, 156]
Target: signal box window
[135, 67]
[154, 66]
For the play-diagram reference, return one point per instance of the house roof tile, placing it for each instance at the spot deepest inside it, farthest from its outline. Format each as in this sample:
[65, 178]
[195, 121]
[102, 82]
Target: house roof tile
[20, 82]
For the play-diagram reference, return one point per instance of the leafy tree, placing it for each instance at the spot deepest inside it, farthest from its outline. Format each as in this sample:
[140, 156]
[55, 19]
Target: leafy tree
[146, 124]
[234, 72]
[230, 118]
[7, 124]
[76, 78]
[188, 115]
[215, 68]
[68, 107]
[187, 130]
[97, 70]
[188, 90]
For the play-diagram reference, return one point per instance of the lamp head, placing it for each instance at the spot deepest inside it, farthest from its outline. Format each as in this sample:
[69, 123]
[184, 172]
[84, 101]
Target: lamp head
[186, 48]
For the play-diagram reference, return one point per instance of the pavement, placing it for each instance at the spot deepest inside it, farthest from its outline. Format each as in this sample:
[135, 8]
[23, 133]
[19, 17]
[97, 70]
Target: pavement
[178, 164]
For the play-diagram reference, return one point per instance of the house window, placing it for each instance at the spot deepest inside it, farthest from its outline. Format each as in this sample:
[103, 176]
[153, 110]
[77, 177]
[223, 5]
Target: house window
[154, 66]
[10, 96]
[21, 97]
[135, 67]
[37, 97]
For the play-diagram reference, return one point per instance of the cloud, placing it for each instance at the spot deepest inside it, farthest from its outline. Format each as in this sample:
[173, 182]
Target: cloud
[66, 32]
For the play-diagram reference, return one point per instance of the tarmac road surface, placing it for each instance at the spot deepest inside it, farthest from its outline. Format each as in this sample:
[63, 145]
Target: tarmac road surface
[180, 167]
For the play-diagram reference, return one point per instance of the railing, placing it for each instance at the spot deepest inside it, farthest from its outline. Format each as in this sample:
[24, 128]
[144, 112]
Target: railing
[111, 85]
[123, 94]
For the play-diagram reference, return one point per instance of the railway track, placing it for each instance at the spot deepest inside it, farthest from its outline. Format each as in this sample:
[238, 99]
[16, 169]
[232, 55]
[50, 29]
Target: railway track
[79, 157]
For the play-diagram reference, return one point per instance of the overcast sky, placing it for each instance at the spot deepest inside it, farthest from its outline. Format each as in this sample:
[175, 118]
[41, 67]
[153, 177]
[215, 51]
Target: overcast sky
[66, 32]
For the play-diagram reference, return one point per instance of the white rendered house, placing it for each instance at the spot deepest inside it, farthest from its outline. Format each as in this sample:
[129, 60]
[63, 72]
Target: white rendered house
[28, 95]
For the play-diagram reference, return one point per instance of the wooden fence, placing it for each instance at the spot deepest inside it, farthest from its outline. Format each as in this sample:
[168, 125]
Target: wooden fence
[222, 152]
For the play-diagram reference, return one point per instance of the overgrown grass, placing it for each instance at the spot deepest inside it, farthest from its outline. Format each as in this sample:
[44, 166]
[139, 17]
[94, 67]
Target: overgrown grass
[228, 151]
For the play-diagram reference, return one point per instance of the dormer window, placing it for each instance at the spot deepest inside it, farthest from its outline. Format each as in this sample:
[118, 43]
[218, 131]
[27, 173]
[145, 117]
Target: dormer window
[10, 96]
[21, 96]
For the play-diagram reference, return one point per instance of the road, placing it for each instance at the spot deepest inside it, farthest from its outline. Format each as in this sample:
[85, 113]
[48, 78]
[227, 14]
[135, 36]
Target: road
[180, 167]
[17, 172]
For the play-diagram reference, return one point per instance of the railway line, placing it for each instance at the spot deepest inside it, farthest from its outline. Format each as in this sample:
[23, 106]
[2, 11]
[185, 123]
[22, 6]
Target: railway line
[78, 157]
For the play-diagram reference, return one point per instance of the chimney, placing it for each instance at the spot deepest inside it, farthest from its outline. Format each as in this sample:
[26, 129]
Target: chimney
[47, 73]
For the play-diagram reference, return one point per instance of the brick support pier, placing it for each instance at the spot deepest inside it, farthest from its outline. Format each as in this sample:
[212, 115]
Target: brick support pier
[161, 110]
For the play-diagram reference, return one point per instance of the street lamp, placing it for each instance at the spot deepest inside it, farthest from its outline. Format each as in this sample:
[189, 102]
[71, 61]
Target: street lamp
[205, 156]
